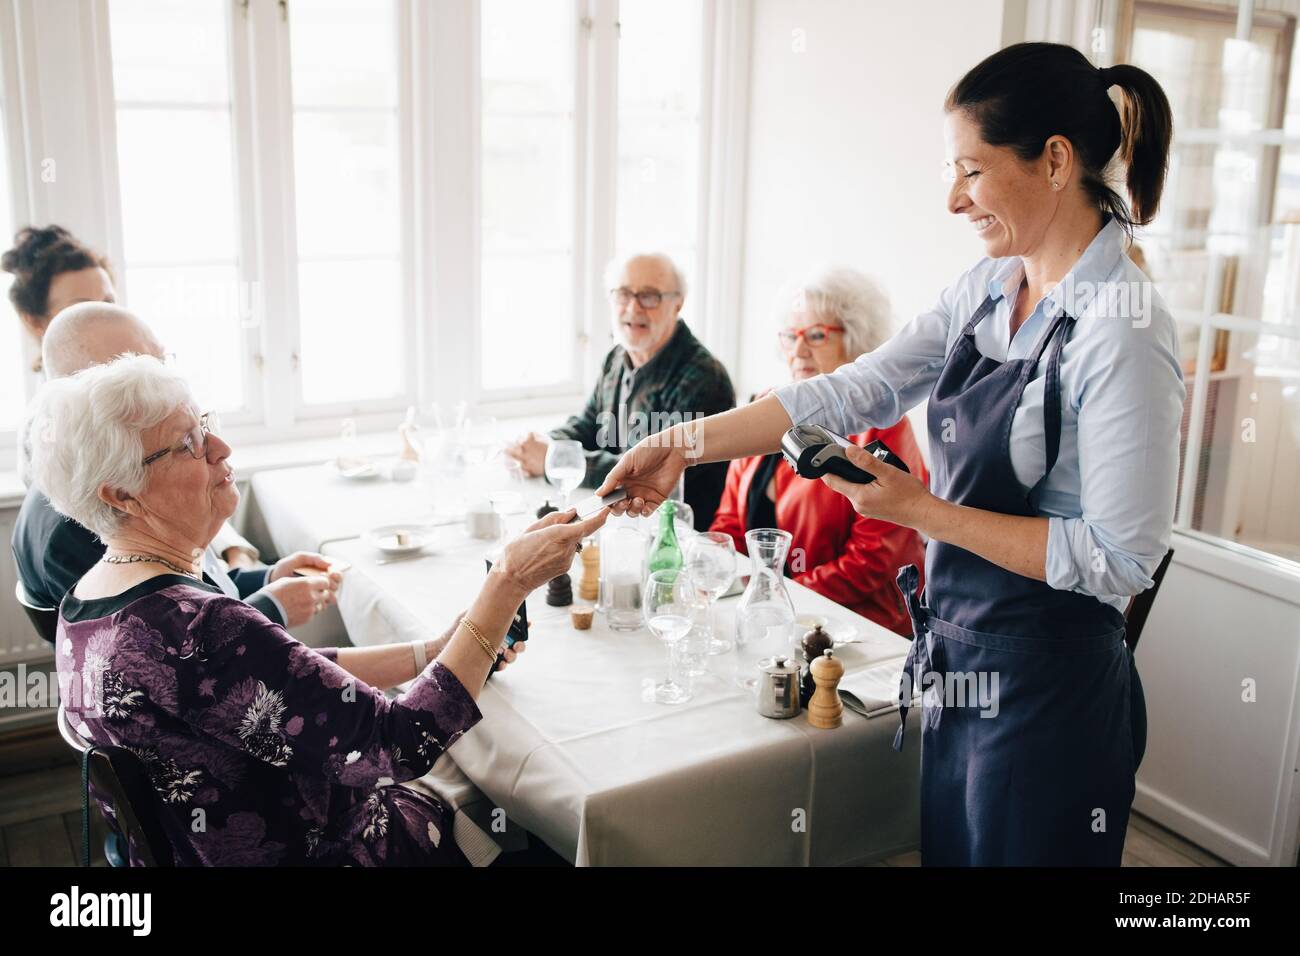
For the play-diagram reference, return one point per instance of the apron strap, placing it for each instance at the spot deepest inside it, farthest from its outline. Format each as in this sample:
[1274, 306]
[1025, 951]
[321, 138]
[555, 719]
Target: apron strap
[1059, 331]
[985, 308]
[917, 656]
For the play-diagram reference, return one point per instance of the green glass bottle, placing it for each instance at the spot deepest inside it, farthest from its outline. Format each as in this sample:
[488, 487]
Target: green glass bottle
[665, 554]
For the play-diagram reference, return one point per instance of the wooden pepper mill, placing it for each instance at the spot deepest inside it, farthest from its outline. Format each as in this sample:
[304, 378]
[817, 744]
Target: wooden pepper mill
[825, 710]
[559, 591]
[589, 586]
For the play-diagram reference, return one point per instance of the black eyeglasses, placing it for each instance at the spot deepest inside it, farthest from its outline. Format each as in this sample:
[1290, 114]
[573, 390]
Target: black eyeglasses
[647, 298]
[195, 441]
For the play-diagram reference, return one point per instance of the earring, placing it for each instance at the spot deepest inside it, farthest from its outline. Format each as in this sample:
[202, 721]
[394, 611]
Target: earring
[1056, 185]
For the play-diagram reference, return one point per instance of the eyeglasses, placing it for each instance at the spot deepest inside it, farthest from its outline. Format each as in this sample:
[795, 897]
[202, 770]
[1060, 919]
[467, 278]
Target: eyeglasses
[815, 335]
[647, 298]
[195, 441]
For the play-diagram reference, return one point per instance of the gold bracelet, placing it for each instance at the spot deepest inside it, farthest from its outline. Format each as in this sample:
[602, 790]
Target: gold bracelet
[483, 642]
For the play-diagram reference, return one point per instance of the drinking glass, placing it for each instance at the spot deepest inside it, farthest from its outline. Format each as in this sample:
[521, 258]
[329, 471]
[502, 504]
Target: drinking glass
[566, 465]
[711, 565]
[669, 620]
[693, 651]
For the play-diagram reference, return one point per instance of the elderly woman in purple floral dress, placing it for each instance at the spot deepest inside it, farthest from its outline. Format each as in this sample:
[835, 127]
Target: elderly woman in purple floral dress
[262, 750]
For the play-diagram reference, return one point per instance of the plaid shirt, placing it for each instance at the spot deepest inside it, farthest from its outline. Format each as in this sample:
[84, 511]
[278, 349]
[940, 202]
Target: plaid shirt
[628, 404]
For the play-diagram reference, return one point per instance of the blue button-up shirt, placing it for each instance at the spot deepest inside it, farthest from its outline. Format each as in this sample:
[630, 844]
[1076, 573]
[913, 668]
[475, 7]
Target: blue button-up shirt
[1110, 497]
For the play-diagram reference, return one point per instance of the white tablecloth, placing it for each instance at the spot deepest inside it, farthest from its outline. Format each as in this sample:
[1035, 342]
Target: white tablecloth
[569, 748]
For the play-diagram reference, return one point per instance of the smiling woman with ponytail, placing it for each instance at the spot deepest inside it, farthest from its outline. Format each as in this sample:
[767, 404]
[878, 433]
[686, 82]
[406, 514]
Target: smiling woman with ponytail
[1054, 396]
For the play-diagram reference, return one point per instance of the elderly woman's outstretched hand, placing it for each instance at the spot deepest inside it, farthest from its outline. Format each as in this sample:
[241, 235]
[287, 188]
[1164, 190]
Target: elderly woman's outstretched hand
[547, 548]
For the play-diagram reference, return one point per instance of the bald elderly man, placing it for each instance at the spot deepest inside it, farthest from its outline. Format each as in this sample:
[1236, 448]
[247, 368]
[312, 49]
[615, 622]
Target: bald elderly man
[52, 552]
[656, 375]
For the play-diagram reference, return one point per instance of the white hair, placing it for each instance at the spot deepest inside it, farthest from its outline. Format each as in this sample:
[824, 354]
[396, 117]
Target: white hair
[845, 296]
[615, 266]
[86, 433]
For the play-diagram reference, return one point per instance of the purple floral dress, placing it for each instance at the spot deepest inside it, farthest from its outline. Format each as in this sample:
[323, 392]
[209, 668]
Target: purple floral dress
[262, 750]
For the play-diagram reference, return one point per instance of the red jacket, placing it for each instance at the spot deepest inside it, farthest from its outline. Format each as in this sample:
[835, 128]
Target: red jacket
[848, 558]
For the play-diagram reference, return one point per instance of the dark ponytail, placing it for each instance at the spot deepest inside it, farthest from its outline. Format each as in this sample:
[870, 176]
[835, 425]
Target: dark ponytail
[40, 255]
[1023, 95]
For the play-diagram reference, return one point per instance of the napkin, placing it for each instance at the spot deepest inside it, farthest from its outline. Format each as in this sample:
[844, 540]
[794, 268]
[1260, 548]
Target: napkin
[877, 686]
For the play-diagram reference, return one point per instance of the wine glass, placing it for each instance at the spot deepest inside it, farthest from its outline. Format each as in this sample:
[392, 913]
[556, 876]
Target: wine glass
[566, 465]
[669, 620]
[711, 564]
[478, 440]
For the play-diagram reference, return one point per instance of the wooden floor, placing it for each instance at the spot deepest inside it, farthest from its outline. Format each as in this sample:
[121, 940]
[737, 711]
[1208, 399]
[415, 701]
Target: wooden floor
[40, 825]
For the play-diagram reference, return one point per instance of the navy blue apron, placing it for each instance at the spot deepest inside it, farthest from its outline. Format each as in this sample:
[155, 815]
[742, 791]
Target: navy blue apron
[1032, 718]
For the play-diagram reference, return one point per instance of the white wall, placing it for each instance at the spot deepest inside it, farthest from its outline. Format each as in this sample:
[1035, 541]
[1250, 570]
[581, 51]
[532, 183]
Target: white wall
[845, 151]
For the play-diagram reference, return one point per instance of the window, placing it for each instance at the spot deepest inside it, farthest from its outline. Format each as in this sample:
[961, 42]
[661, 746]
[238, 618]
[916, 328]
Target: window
[658, 128]
[351, 294]
[179, 201]
[528, 318]
[11, 377]
[1225, 254]
[288, 183]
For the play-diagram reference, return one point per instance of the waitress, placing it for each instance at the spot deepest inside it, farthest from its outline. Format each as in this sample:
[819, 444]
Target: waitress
[1055, 397]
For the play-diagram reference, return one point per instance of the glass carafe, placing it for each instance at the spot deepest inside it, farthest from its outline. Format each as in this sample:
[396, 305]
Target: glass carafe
[765, 616]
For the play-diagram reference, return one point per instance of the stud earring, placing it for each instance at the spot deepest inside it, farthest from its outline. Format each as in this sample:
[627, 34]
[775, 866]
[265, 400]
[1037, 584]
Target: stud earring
[1056, 185]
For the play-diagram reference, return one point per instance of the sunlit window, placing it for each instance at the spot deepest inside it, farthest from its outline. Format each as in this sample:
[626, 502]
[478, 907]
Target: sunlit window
[658, 128]
[11, 377]
[347, 186]
[176, 168]
[527, 333]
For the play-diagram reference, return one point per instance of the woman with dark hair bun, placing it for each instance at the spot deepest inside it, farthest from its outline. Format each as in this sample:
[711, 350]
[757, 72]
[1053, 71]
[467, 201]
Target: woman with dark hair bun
[52, 270]
[1054, 401]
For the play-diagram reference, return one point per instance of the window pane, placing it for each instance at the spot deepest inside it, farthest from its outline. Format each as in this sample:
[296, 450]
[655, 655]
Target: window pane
[525, 300]
[527, 184]
[11, 372]
[173, 50]
[527, 324]
[527, 51]
[347, 186]
[352, 330]
[176, 173]
[195, 311]
[1250, 448]
[178, 188]
[658, 127]
[343, 54]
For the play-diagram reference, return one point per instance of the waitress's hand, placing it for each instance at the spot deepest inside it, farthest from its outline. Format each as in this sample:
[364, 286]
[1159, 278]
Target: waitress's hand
[649, 470]
[895, 495]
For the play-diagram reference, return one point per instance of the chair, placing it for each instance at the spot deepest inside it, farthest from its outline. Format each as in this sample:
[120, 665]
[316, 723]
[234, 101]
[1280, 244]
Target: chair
[44, 619]
[1138, 608]
[120, 777]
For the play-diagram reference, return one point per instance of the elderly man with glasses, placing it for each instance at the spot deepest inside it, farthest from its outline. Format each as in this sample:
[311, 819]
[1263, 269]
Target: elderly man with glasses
[657, 374]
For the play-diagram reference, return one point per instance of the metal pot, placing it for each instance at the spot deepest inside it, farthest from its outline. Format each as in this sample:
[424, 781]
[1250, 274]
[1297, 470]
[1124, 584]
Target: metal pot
[778, 687]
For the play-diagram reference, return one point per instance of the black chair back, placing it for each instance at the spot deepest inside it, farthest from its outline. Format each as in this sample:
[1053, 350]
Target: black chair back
[1138, 608]
[44, 619]
[119, 777]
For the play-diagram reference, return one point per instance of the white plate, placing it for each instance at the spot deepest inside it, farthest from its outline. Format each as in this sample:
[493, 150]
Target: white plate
[354, 469]
[385, 538]
[841, 631]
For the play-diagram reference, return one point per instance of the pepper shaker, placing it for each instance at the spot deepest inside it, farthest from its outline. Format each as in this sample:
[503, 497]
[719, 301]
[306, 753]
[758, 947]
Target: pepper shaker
[825, 709]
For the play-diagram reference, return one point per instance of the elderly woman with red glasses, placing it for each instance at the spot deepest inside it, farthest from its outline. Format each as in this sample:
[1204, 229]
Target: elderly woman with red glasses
[825, 322]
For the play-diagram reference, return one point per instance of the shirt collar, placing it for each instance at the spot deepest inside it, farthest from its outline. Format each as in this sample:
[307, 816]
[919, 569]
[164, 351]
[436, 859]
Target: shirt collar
[1093, 267]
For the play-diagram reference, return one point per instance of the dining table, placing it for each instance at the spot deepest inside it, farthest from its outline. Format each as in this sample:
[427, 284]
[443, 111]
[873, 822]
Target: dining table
[572, 746]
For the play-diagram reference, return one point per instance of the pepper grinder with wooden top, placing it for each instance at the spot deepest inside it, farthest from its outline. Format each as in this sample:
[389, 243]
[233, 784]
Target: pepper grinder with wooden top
[825, 710]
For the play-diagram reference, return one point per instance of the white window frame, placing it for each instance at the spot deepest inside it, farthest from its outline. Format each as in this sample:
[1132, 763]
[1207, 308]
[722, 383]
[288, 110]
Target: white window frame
[59, 52]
